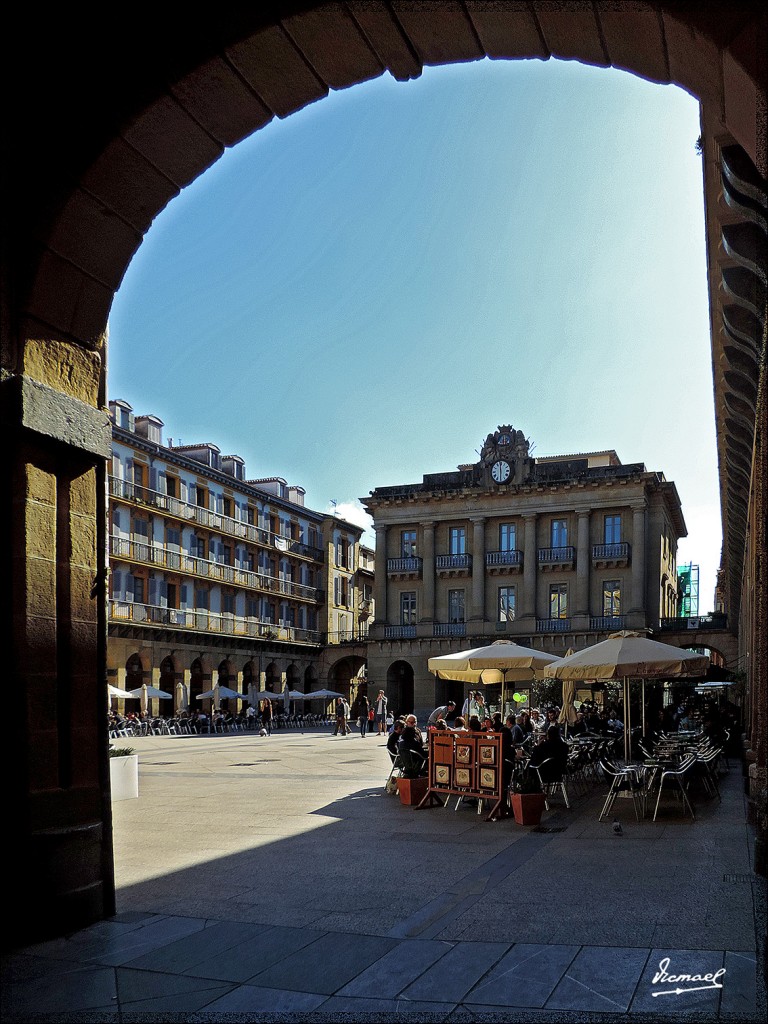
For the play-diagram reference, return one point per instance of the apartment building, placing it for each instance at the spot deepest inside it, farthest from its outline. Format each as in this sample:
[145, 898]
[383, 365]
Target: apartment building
[552, 553]
[216, 578]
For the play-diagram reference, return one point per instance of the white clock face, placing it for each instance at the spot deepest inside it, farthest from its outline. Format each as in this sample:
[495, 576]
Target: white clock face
[500, 472]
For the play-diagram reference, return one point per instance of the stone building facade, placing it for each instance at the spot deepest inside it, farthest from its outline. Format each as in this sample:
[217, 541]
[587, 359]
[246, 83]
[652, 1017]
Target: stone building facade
[549, 552]
[218, 579]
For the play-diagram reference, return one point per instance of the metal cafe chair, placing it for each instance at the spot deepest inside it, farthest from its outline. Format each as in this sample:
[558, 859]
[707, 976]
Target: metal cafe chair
[677, 776]
[623, 780]
[550, 787]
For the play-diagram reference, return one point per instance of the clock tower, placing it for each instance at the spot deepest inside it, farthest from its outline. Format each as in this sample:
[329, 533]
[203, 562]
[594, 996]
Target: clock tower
[504, 457]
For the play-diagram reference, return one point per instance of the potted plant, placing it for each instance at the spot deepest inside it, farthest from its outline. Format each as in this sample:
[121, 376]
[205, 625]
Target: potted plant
[123, 773]
[528, 798]
[412, 784]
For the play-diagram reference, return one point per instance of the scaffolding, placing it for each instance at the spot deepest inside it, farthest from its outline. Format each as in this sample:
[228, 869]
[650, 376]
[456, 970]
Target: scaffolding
[688, 589]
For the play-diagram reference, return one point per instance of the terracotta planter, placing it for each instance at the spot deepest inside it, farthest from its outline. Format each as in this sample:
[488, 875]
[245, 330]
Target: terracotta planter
[412, 791]
[528, 808]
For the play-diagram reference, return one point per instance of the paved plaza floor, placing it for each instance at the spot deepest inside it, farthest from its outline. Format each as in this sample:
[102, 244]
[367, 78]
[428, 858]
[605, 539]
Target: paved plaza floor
[272, 878]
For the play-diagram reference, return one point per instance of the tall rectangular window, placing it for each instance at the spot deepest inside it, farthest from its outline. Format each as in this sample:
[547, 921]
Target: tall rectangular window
[456, 605]
[507, 537]
[558, 600]
[611, 598]
[506, 604]
[201, 598]
[408, 544]
[613, 529]
[228, 603]
[559, 533]
[138, 589]
[457, 539]
[408, 608]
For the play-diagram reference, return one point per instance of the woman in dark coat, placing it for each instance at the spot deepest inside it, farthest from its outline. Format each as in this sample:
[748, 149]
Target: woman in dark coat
[363, 707]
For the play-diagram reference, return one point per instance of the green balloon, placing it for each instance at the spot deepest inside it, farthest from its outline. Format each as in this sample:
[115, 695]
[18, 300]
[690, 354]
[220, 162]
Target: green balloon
[517, 697]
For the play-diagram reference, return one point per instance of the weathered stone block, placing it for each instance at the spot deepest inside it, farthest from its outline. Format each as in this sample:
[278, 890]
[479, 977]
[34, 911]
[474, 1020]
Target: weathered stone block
[68, 368]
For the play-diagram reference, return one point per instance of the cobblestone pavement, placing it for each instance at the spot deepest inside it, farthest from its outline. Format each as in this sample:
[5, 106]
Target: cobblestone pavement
[272, 878]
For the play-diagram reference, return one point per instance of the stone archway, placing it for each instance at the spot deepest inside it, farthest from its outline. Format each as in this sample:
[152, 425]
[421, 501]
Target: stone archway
[155, 108]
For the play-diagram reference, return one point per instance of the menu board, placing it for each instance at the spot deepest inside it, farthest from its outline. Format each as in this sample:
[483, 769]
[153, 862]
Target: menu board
[464, 764]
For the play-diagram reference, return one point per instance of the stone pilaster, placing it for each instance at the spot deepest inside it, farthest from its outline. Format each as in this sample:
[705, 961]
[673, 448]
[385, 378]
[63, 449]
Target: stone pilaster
[477, 608]
[530, 568]
[427, 613]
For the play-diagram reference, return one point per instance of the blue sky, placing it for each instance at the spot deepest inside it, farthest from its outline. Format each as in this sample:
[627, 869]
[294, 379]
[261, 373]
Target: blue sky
[359, 294]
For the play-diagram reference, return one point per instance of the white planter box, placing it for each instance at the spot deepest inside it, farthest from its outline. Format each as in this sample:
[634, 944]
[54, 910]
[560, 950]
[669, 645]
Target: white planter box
[124, 777]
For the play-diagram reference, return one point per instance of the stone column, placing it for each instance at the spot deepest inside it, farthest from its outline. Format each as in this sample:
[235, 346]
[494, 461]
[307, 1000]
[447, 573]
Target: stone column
[54, 483]
[477, 609]
[638, 607]
[428, 573]
[380, 576]
[583, 564]
[530, 568]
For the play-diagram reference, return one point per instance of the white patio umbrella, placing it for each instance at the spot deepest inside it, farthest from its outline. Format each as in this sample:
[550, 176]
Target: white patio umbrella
[628, 655]
[144, 692]
[322, 694]
[219, 692]
[115, 691]
[500, 662]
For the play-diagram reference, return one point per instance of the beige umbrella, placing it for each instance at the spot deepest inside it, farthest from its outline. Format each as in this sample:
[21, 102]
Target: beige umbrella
[500, 662]
[628, 655]
[567, 714]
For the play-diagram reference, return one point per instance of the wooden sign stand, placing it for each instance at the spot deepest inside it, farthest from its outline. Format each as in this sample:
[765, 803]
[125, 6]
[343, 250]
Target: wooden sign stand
[465, 764]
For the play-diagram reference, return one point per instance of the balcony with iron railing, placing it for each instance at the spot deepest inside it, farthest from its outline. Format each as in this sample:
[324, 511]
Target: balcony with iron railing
[606, 623]
[179, 561]
[713, 620]
[348, 636]
[186, 512]
[553, 625]
[443, 629]
[453, 565]
[399, 632]
[556, 558]
[407, 567]
[609, 555]
[503, 561]
[203, 621]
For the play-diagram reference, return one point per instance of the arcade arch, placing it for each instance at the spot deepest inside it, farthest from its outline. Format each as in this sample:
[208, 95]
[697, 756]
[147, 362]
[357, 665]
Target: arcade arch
[400, 688]
[75, 222]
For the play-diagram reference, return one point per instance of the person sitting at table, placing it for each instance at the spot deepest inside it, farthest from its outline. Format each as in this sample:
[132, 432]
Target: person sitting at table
[410, 745]
[539, 724]
[525, 723]
[614, 723]
[517, 733]
[687, 723]
[394, 736]
[579, 727]
[459, 724]
[553, 749]
[475, 725]
[552, 714]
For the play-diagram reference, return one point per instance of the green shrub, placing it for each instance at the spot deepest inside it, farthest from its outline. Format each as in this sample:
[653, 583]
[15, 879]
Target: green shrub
[120, 751]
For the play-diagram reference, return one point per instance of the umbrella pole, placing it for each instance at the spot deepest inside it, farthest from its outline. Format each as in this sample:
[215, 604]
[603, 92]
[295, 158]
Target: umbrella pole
[627, 723]
[642, 709]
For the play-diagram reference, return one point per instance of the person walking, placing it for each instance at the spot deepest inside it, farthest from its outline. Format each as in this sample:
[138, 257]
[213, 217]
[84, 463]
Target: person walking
[380, 707]
[342, 711]
[363, 707]
[266, 717]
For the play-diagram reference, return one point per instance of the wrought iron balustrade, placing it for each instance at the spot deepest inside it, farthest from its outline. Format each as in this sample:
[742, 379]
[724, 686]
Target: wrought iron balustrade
[399, 632]
[553, 625]
[504, 558]
[202, 620]
[449, 629]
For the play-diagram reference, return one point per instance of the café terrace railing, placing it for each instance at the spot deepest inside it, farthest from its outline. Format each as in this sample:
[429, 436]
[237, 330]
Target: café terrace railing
[179, 561]
[211, 520]
[203, 621]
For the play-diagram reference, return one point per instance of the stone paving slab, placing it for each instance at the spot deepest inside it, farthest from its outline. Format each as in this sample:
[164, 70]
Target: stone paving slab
[453, 975]
[325, 965]
[391, 974]
[600, 978]
[526, 976]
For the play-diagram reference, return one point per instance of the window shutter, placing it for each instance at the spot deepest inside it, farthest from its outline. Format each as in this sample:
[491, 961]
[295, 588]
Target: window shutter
[128, 587]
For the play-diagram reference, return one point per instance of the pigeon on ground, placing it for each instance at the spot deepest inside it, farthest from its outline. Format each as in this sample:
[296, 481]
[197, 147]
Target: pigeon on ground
[617, 831]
